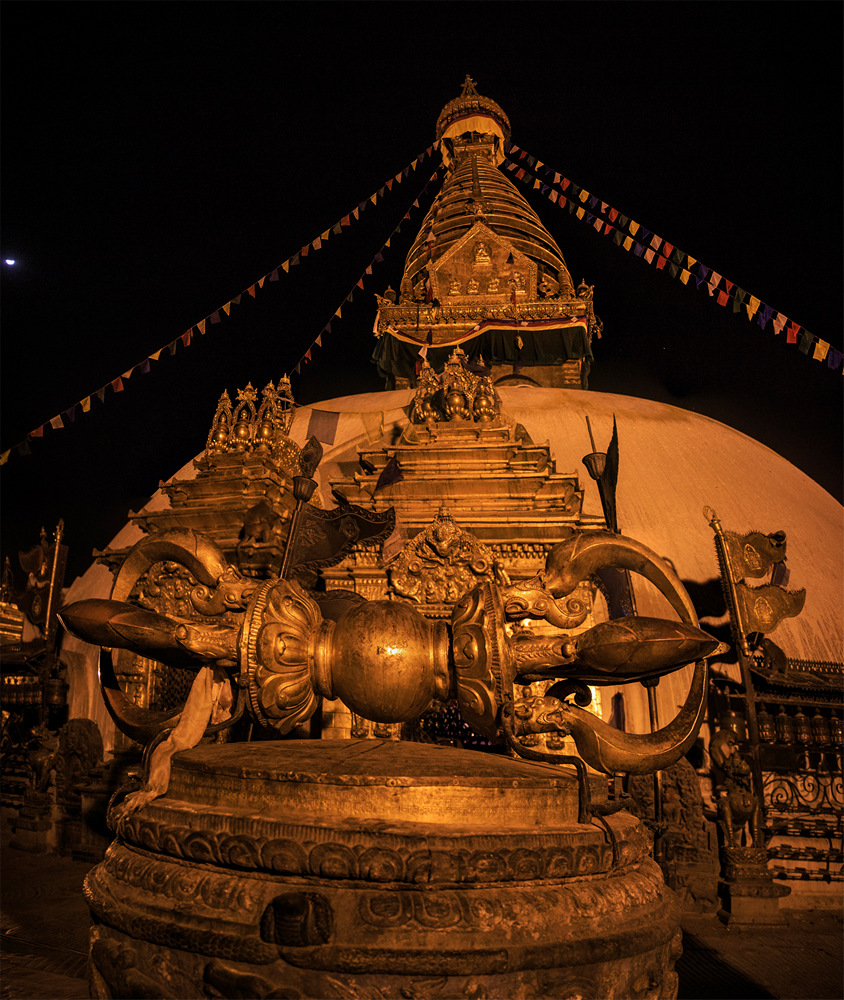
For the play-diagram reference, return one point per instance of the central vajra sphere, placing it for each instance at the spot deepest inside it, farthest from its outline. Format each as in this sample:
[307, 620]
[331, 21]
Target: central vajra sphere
[389, 664]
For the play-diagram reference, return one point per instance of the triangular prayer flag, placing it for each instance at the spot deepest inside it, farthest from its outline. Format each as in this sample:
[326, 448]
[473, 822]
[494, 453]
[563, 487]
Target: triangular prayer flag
[285, 267]
[201, 324]
[86, 404]
[5, 457]
[56, 423]
[536, 184]
[185, 338]
[214, 317]
[308, 354]
[779, 323]
[143, 367]
[260, 285]
[607, 229]
[752, 305]
[691, 261]
[156, 355]
[318, 341]
[100, 394]
[127, 374]
[117, 384]
[356, 212]
[368, 269]
[251, 290]
[764, 315]
[604, 207]
[390, 184]
[359, 283]
[171, 347]
[38, 432]
[338, 313]
[685, 275]
[227, 308]
[345, 221]
[821, 350]
[236, 300]
[274, 275]
[325, 235]
[373, 197]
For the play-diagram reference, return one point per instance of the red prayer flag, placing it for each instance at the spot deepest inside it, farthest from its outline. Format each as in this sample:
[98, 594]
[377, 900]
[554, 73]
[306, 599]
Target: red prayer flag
[613, 215]
[667, 248]
[38, 432]
[791, 333]
[251, 290]
[117, 384]
[304, 251]
[660, 263]
[607, 229]
[723, 298]
[185, 338]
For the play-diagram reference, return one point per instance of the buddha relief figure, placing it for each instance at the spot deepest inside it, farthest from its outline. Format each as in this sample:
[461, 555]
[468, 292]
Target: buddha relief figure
[472, 286]
[518, 280]
[454, 287]
[494, 284]
[482, 257]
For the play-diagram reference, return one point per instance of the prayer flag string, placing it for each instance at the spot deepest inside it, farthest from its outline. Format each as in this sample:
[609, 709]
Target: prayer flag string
[59, 420]
[631, 235]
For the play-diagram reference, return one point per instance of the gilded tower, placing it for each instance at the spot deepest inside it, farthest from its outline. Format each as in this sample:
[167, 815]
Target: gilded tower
[484, 274]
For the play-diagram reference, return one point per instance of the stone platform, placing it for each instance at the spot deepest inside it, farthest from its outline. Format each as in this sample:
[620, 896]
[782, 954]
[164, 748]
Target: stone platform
[367, 868]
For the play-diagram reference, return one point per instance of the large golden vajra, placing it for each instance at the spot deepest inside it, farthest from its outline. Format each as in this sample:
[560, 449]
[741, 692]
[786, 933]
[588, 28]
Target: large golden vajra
[389, 664]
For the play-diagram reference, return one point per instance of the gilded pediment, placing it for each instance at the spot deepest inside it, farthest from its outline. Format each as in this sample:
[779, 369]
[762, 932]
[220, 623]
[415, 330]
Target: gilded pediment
[483, 265]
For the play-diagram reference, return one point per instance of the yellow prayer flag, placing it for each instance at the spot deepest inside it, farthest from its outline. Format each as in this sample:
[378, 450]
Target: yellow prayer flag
[597, 224]
[628, 242]
[338, 313]
[536, 184]
[157, 355]
[86, 404]
[227, 308]
[752, 305]
[580, 213]
[372, 199]
[691, 260]
[201, 324]
[633, 227]
[285, 266]
[127, 374]
[325, 235]
[821, 350]
[685, 275]
[584, 195]
[5, 457]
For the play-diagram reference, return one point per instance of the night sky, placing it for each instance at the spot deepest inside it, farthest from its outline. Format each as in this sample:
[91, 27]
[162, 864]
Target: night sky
[160, 158]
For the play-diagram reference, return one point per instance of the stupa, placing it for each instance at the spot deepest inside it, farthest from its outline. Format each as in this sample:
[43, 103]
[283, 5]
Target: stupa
[361, 859]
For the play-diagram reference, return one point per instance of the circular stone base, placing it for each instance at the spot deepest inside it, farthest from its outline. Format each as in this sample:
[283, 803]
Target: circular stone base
[376, 869]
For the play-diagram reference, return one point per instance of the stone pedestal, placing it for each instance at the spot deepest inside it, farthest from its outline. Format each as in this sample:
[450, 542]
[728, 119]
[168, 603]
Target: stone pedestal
[749, 896]
[376, 869]
[34, 823]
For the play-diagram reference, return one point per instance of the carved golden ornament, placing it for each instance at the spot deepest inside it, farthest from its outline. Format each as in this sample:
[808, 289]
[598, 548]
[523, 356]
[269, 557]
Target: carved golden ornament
[252, 428]
[388, 663]
[440, 563]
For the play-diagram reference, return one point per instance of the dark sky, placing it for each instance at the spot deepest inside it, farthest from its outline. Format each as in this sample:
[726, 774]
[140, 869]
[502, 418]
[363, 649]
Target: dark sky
[159, 158]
